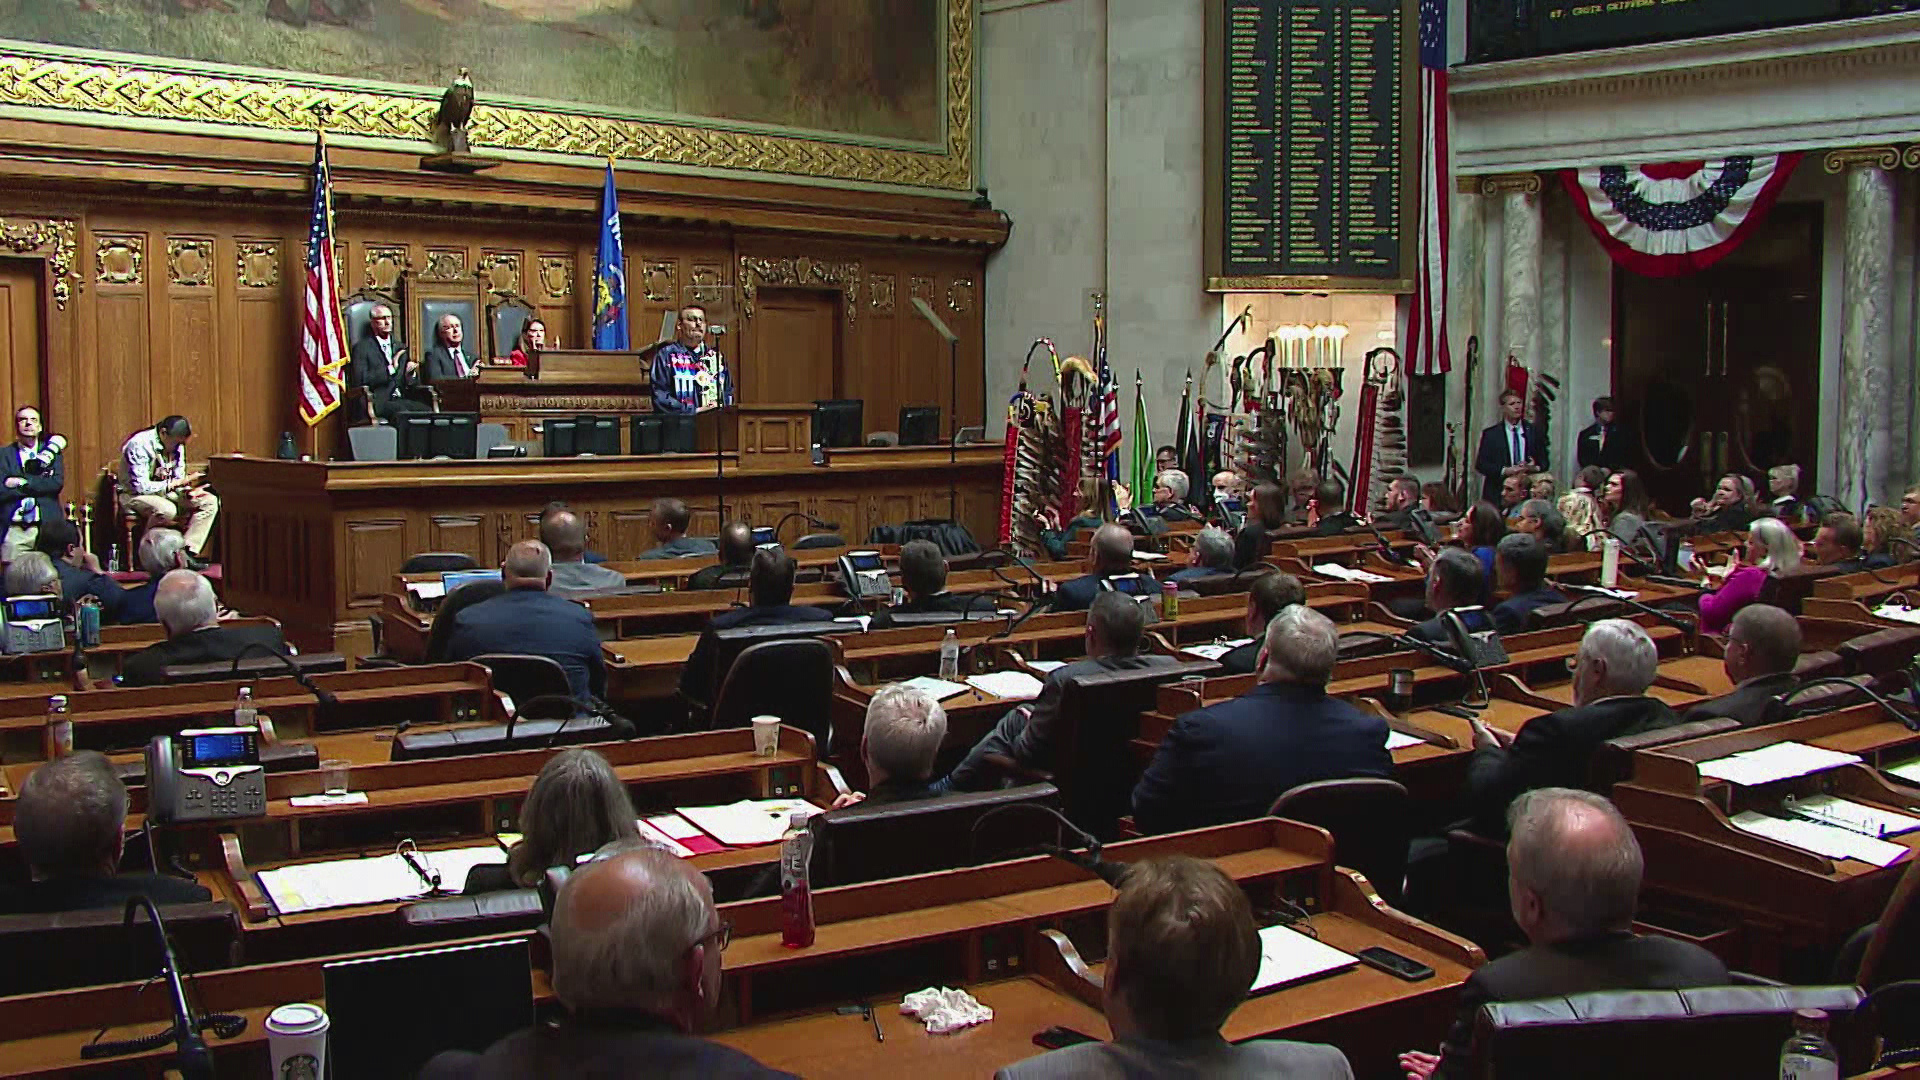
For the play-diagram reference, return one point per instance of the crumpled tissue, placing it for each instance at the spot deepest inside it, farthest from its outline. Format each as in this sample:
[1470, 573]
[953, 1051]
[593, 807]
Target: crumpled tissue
[944, 1010]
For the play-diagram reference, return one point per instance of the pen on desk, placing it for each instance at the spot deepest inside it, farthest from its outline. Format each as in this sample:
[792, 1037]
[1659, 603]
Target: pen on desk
[874, 1015]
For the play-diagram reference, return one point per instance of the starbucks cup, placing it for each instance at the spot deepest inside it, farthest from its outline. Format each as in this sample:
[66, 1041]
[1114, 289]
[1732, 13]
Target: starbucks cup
[297, 1042]
[766, 735]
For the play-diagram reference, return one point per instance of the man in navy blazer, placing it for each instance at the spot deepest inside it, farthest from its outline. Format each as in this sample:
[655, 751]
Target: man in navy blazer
[529, 620]
[1229, 762]
[1112, 556]
[1520, 559]
[770, 583]
[1511, 447]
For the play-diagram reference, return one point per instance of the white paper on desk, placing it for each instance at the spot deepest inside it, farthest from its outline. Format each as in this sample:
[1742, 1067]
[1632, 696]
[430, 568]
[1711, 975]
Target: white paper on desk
[341, 883]
[1828, 840]
[938, 689]
[1780, 761]
[1148, 556]
[1046, 666]
[1897, 613]
[1343, 573]
[673, 825]
[747, 823]
[1288, 956]
[1012, 685]
[1398, 740]
[862, 621]
[1216, 650]
[660, 839]
[345, 798]
[1617, 594]
[427, 590]
[455, 863]
[1906, 770]
[1863, 818]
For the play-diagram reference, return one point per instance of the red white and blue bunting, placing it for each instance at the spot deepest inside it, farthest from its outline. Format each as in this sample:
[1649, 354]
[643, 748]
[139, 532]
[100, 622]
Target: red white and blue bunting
[1679, 218]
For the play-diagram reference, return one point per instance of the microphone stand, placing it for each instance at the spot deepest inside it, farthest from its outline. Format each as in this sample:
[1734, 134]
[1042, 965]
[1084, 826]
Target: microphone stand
[1113, 873]
[829, 526]
[191, 1056]
[1892, 710]
[322, 697]
[1667, 618]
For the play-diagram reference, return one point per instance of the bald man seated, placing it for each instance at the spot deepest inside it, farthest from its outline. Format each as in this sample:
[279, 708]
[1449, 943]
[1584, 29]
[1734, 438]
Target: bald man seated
[186, 607]
[527, 619]
[736, 557]
[565, 535]
[668, 522]
[636, 944]
[1763, 645]
[1110, 558]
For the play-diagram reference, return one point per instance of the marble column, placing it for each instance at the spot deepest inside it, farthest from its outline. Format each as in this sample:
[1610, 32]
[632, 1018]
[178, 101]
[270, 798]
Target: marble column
[1553, 336]
[1866, 341]
[1520, 257]
[1466, 306]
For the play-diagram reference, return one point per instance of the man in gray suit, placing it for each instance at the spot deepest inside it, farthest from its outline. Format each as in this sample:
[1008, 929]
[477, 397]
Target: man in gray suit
[1182, 951]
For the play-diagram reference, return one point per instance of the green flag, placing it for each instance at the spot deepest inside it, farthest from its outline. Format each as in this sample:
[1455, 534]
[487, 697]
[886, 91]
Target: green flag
[1140, 477]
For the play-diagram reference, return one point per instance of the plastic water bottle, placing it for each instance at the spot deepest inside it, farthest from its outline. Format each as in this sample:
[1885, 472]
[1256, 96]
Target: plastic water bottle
[950, 657]
[1807, 1055]
[113, 559]
[59, 742]
[244, 714]
[796, 898]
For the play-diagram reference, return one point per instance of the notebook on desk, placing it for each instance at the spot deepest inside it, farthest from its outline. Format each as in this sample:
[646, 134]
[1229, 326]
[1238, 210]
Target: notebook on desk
[1288, 956]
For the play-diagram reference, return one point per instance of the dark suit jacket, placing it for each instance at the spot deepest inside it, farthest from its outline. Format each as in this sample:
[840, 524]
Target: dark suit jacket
[1251, 544]
[1229, 762]
[1614, 456]
[951, 603]
[368, 368]
[1027, 733]
[136, 604]
[1078, 594]
[42, 487]
[1510, 615]
[534, 622]
[1336, 523]
[1553, 751]
[1195, 573]
[682, 547]
[1241, 659]
[1435, 630]
[1747, 702]
[697, 678]
[76, 582]
[148, 666]
[87, 894]
[1617, 961]
[1495, 455]
[440, 366]
[603, 1046]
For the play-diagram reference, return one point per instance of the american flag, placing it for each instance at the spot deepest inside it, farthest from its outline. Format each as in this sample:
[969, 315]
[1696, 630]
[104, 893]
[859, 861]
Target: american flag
[323, 338]
[1107, 398]
[1427, 319]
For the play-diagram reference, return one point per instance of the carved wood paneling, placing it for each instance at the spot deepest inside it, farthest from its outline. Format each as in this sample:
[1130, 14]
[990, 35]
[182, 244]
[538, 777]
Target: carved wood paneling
[500, 271]
[257, 264]
[657, 280]
[119, 258]
[457, 532]
[190, 261]
[445, 264]
[374, 547]
[384, 265]
[556, 276]
[800, 272]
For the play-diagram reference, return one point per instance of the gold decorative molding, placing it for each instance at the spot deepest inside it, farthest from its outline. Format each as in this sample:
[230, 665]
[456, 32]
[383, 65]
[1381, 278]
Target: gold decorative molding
[385, 265]
[119, 258]
[707, 283]
[1526, 183]
[920, 288]
[506, 403]
[1862, 157]
[1912, 157]
[189, 261]
[53, 240]
[801, 272]
[657, 280]
[960, 296]
[556, 276]
[445, 264]
[257, 264]
[41, 77]
[880, 293]
[499, 271]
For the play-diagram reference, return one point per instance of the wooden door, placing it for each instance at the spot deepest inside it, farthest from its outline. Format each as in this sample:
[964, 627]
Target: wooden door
[20, 370]
[794, 348]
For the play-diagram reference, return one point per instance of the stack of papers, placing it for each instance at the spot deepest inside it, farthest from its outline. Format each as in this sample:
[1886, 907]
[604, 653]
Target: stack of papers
[385, 879]
[1617, 594]
[861, 621]
[427, 590]
[1398, 740]
[1342, 573]
[1863, 818]
[1216, 650]
[1013, 685]
[1781, 761]
[1897, 613]
[1906, 770]
[1834, 843]
[1048, 666]
[937, 689]
[749, 822]
[678, 835]
[1288, 956]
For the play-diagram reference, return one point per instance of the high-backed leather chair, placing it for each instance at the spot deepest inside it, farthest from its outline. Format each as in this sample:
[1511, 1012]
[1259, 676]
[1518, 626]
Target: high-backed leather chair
[1791, 589]
[870, 841]
[440, 634]
[1222, 584]
[471, 915]
[1612, 760]
[537, 684]
[88, 948]
[1656, 1034]
[1582, 609]
[1099, 715]
[1881, 651]
[731, 643]
[438, 562]
[790, 679]
[1819, 665]
[1370, 822]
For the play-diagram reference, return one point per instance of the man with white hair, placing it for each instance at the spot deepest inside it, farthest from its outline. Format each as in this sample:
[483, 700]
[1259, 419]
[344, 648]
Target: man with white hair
[530, 620]
[1170, 490]
[161, 550]
[1229, 762]
[898, 744]
[186, 607]
[448, 357]
[380, 365]
[1573, 881]
[1616, 663]
[1210, 556]
[636, 943]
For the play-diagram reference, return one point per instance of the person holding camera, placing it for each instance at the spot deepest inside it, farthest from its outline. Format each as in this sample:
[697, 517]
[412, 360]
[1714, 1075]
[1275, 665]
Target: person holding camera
[32, 473]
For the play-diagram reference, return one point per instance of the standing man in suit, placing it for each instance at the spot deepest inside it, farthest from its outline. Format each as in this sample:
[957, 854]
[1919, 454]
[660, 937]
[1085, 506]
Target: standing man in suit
[1026, 734]
[1111, 558]
[382, 366]
[770, 583]
[1512, 447]
[1603, 442]
[529, 619]
[186, 607]
[1763, 645]
[32, 472]
[1182, 952]
[1573, 882]
[1229, 762]
[448, 357]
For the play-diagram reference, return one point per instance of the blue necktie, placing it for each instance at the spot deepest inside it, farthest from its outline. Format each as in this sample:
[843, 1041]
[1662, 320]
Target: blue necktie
[1515, 432]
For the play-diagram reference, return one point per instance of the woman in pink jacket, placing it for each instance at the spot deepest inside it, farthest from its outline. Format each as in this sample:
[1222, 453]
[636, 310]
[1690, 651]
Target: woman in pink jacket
[1771, 549]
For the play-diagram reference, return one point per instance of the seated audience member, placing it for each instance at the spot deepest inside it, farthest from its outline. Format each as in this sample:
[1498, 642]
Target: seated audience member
[1435, 498]
[1521, 562]
[154, 483]
[1573, 870]
[736, 556]
[1210, 556]
[1266, 508]
[79, 569]
[71, 823]
[1885, 541]
[1328, 515]
[1624, 505]
[1728, 509]
[1455, 580]
[1182, 952]
[1403, 496]
[1616, 663]
[161, 550]
[923, 578]
[1783, 489]
[1228, 484]
[668, 522]
[1910, 507]
[1111, 560]
[1026, 734]
[770, 584]
[1583, 517]
[898, 746]
[565, 535]
[529, 620]
[31, 573]
[635, 945]
[1480, 528]
[1771, 549]
[1164, 458]
[1229, 762]
[576, 806]
[1268, 596]
[1301, 484]
[1514, 490]
[1838, 544]
[555, 507]
[1542, 486]
[1542, 520]
[187, 609]
[1170, 491]
[1763, 645]
[1094, 495]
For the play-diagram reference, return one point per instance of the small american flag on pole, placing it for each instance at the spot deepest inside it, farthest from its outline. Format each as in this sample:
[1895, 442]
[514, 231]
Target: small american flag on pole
[1427, 319]
[323, 337]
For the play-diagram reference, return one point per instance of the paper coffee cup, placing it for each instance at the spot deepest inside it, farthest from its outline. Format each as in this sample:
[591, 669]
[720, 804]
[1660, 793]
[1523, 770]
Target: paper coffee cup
[766, 735]
[297, 1042]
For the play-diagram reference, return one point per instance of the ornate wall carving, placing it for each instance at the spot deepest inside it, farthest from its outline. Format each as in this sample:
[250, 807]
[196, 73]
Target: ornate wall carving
[880, 294]
[960, 296]
[801, 272]
[118, 259]
[556, 276]
[385, 265]
[657, 280]
[445, 264]
[189, 261]
[709, 283]
[257, 263]
[51, 239]
[499, 271]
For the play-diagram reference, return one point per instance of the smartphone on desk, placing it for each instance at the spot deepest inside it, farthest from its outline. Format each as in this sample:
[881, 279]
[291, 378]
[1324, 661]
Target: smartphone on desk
[1405, 967]
[1056, 1037]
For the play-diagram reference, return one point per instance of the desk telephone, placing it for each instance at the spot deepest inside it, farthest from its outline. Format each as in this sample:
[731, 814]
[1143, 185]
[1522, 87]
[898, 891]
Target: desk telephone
[206, 774]
[863, 574]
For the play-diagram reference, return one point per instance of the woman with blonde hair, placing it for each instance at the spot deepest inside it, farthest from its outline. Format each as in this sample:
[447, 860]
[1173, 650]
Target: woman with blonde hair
[1888, 539]
[576, 806]
[1772, 549]
[1584, 522]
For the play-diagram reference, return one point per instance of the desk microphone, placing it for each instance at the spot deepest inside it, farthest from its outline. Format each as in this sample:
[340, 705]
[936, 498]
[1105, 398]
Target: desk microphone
[191, 1056]
[1906, 719]
[1113, 873]
[826, 526]
[1446, 659]
[1668, 618]
[1386, 549]
[324, 697]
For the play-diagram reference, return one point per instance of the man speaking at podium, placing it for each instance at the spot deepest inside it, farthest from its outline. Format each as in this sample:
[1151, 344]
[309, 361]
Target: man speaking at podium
[687, 376]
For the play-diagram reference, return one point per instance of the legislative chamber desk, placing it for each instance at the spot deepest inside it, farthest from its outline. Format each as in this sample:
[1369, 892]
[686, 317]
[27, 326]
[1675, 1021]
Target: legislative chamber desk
[984, 928]
[1853, 597]
[316, 544]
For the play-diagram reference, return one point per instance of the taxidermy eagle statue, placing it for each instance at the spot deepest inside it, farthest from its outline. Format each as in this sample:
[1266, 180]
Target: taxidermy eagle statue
[456, 107]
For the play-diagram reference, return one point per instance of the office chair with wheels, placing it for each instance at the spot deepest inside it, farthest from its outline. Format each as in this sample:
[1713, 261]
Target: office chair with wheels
[790, 678]
[1370, 822]
[537, 684]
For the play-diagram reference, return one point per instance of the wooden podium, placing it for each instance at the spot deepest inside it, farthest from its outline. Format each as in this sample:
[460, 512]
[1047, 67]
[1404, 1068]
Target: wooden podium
[562, 383]
[764, 436]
